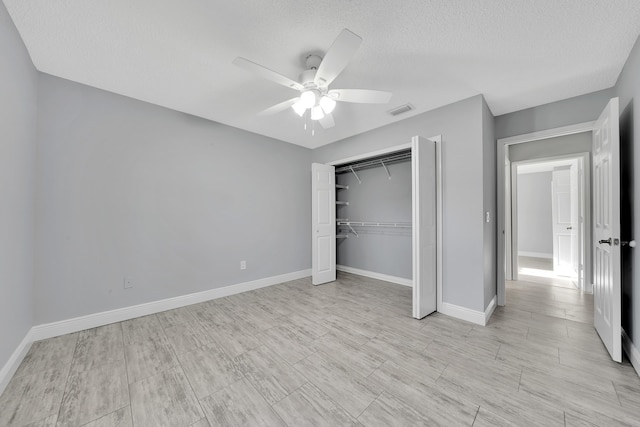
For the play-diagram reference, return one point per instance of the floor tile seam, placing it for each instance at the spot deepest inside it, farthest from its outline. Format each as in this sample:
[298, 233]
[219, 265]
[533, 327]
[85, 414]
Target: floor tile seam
[156, 373]
[40, 371]
[520, 379]
[476, 416]
[349, 372]
[594, 399]
[66, 385]
[105, 415]
[369, 405]
[462, 398]
[126, 372]
[604, 377]
[271, 405]
[193, 392]
[602, 410]
[164, 328]
[617, 394]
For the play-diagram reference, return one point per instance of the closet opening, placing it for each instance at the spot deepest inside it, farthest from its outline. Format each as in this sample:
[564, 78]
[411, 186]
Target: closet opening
[373, 217]
[379, 215]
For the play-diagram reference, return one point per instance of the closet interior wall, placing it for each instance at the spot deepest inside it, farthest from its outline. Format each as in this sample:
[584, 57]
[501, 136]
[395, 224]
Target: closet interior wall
[385, 248]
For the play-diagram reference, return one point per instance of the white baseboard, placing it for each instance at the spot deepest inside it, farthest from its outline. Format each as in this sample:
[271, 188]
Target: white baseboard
[76, 324]
[54, 329]
[632, 351]
[488, 312]
[14, 361]
[463, 313]
[374, 275]
[535, 254]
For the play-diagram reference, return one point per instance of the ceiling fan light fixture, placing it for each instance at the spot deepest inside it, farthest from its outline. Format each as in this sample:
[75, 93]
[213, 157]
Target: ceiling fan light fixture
[299, 108]
[327, 104]
[317, 113]
[308, 99]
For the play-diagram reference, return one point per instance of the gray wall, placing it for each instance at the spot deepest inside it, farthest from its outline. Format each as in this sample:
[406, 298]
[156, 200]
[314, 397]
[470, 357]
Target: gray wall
[377, 199]
[567, 112]
[489, 202]
[174, 202]
[535, 228]
[628, 89]
[550, 147]
[460, 125]
[18, 103]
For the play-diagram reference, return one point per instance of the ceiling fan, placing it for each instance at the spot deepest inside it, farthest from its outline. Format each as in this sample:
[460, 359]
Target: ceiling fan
[315, 96]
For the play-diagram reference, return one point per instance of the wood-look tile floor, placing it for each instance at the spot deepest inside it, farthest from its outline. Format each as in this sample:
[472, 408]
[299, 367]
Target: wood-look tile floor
[345, 353]
[540, 270]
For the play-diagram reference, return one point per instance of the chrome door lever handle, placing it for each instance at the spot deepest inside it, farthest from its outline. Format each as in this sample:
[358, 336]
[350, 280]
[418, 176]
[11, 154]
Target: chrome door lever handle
[569, 228]
[608, 241]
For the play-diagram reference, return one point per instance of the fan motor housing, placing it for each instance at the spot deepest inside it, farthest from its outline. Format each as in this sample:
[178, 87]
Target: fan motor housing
[307, 79]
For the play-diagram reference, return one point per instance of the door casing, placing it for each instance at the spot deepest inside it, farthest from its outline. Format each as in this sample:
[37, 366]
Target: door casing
[504, 197]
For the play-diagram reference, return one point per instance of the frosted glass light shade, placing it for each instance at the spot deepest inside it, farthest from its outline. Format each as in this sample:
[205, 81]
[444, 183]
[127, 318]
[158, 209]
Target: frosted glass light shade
[327, 104]
[308, 99]
[316, 113]
[299, 108]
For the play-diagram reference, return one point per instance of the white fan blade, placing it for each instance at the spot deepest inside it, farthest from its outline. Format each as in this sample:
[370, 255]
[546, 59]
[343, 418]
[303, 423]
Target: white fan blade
[327, 121]
[362, 96]
[279, 107]
[267, 73]
[337, 57]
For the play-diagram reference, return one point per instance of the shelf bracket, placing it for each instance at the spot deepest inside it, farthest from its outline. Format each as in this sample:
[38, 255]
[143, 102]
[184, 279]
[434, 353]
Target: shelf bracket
[385, 168]
[354, 172]
[352, 230]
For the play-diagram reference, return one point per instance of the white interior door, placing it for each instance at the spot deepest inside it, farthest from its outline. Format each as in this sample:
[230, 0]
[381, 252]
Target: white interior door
[606, 236]
[323, 224]
[562, 226]
[575, 220]
[423, 167]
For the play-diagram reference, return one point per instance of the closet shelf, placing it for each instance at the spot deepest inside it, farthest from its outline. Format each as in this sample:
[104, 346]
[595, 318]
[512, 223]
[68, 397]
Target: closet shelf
[374, 224]
[342, 187]
[339, 202]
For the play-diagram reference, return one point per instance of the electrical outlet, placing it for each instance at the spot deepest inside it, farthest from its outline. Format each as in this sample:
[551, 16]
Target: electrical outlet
[243, 265]
[128, 283]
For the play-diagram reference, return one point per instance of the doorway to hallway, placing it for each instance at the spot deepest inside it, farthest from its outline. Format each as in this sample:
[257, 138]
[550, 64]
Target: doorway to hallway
[550, 215]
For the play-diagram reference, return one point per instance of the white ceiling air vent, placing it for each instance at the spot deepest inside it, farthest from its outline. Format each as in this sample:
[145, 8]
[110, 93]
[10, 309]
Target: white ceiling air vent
[401, 109]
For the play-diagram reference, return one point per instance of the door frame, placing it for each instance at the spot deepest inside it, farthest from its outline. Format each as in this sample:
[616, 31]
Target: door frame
[504, 197]
[437, 140]
[584, 190]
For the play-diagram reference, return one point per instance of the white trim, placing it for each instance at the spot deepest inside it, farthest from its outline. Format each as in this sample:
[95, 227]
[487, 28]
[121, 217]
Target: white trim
[76, 324]
[548, 133]
[478, 317]
[502, 143]
[632, 351]
[488, 312]
[371, 154]
[372, 274]
[10, 368]
[535, 254]
[439, 219]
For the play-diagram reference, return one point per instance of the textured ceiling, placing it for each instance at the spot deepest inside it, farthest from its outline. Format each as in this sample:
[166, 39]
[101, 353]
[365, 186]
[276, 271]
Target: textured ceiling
[430, 53]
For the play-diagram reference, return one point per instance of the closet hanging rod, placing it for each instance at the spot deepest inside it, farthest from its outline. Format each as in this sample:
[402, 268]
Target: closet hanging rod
[374, 224]
[396, 157]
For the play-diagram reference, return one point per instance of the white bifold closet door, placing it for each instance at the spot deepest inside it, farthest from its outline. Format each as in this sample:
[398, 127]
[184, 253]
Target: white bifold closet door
[423, 168]
[323, 224]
